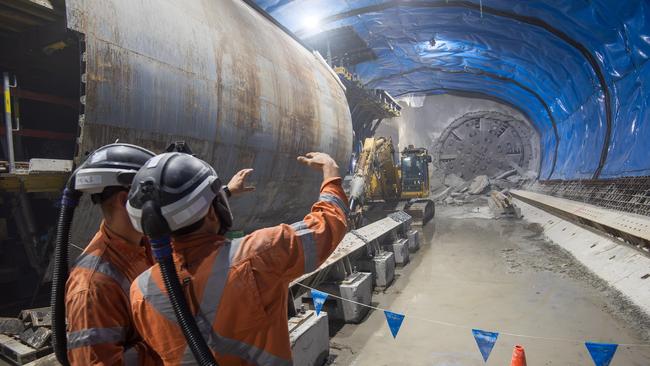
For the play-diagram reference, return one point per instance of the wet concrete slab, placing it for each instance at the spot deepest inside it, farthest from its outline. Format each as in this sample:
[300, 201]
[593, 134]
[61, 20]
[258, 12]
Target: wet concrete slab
[496, 275]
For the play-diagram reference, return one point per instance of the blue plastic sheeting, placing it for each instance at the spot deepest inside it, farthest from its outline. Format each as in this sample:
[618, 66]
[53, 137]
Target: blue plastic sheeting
[506, 53]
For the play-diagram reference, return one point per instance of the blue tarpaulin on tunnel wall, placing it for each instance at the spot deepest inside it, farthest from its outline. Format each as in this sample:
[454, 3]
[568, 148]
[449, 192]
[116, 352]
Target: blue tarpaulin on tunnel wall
[578, 69]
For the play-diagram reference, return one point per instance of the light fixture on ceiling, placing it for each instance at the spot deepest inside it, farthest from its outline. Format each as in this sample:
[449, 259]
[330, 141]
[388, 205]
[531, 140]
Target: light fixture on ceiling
[310, 23]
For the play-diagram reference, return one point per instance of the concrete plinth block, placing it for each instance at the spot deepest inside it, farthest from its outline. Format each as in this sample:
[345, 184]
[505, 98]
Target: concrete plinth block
[382, 267]
[414, 240]
[401, 250]
[309, 337]
[356, 287]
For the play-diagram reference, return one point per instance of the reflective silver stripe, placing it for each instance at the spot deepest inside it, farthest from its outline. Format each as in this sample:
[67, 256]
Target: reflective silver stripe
[308, 245]
[224, 345]
[300, 225]
[131, 357]
[217, 279]
[209, 307]
[326, 197]
[212, 294]
[92, 336]
[234, 248]
[309, 249]
[208, 310]
[154, 296]
[98, 264]
[246, 351]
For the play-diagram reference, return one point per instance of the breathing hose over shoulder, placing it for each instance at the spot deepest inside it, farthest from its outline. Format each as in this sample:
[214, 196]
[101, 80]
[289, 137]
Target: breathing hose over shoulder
[60, 271]
[112, 165]
[174, 191]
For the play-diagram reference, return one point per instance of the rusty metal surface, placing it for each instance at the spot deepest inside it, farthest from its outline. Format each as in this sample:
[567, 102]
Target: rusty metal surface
[222, 77]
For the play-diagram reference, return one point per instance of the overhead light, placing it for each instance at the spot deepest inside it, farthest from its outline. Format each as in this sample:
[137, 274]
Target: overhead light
[310, 23]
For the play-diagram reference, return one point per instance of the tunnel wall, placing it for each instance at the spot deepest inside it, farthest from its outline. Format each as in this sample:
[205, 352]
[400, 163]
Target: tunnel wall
[423, 126]
[579, 69]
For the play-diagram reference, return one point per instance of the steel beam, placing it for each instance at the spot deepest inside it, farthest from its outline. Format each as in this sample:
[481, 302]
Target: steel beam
[45, 98]
[359, 239]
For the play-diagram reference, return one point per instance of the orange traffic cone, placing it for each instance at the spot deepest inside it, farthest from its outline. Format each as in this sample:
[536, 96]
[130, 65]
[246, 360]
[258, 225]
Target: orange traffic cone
[518, 356]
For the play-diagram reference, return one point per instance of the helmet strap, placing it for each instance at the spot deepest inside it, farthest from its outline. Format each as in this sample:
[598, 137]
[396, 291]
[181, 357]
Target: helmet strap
[222, 209]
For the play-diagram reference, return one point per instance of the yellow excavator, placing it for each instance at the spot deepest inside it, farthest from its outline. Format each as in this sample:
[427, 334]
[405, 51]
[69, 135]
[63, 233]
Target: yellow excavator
[379, 179]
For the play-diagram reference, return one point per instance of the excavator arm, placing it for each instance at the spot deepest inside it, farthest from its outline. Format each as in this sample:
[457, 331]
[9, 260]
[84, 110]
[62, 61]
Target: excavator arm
[376, 175]
[378, 178]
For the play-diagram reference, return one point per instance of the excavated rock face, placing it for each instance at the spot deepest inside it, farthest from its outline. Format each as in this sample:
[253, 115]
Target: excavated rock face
[486, 143]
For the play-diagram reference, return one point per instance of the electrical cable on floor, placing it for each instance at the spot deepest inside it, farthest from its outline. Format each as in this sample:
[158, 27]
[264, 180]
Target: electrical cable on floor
[448, 324]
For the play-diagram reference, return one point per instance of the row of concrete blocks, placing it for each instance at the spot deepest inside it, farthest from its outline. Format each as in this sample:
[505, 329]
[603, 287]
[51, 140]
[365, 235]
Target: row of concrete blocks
[376, 272]
[310, 335]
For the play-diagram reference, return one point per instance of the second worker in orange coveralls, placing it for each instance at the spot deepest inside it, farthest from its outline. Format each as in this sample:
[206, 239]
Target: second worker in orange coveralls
[237, 290]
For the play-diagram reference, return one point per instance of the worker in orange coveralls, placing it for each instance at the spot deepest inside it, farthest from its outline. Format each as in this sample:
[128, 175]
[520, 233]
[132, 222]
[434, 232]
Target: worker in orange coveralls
[237, 290]
[99, 321]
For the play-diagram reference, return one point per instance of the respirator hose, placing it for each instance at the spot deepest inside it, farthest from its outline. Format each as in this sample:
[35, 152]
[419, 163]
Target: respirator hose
[60, 274]
[162, 251]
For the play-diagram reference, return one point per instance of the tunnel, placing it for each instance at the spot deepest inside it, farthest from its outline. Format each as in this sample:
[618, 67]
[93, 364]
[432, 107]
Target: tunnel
[521, 128]
[575, 69]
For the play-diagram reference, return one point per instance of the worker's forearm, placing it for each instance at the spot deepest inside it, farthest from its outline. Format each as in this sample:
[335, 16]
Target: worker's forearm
[330, 170]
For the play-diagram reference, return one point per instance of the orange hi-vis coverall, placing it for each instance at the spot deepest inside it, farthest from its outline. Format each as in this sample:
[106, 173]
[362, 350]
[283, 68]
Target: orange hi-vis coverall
[100, 325]
[238, 290]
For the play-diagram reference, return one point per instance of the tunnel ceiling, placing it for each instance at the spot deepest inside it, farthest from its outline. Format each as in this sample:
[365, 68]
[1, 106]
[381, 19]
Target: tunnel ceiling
[577, 68]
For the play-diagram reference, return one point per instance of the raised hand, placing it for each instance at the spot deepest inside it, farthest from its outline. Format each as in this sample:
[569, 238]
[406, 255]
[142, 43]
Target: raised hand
[321, 161]
[237, 184]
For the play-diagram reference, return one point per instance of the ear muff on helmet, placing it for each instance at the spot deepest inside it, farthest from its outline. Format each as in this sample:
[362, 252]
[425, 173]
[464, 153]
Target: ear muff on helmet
[154, 224]
[222, 208]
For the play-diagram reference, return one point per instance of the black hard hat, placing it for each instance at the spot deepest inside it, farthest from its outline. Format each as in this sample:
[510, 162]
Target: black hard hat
[173, 191]
[112, 165]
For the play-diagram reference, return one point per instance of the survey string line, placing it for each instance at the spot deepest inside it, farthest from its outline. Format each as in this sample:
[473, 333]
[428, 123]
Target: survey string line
[440, 322]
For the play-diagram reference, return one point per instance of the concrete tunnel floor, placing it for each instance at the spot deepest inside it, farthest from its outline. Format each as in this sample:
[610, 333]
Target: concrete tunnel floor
[496, 275]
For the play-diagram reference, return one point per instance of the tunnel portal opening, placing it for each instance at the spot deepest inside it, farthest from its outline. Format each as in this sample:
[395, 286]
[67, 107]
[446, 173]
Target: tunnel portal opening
[487, 143]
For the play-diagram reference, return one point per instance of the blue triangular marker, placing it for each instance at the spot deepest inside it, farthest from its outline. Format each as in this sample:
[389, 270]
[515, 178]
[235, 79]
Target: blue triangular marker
[485, 341]
[319, 300]
[601, 353]
[394, 321]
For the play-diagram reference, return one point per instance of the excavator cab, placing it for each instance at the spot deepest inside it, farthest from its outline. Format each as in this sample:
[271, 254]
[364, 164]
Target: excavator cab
[414, 169]
[415, 172]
